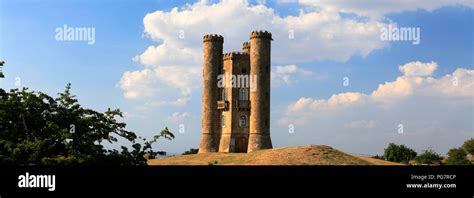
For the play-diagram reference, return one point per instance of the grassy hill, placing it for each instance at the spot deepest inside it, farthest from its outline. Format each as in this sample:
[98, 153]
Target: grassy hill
[302, 155]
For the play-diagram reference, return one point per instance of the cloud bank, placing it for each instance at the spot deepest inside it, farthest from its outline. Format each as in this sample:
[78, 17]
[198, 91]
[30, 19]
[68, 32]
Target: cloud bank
[433, 111]
[176, 60]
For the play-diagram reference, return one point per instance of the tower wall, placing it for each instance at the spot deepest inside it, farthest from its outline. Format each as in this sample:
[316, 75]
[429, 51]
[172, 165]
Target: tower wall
[213, 48]
[234, 137]
[260, 51]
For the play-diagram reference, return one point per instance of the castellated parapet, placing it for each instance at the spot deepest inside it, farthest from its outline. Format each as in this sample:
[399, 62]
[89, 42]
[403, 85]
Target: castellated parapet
[213, 38]
[261, 34]
[236, 118]
[246, 47]
[235, 55]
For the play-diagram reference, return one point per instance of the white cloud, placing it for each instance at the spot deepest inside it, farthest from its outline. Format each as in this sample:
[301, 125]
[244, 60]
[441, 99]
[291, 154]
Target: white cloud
[184, 79]
[432, 110]
[166, 54]
[334, 37]
[447, 90]
[418, 68]
[417, 81]
[163, 103]
[138, 84]
[287, 1]
[129, 115]
[334, 102]
[291, 69]
[377, 8]
[167, 69]
[460, 83]
[319, 34]
[178, 117]
[164, 85]
[362, 124]
[286, 74]
[176, 62]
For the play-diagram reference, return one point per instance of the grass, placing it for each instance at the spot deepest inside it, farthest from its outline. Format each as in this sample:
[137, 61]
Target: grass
[302, 155]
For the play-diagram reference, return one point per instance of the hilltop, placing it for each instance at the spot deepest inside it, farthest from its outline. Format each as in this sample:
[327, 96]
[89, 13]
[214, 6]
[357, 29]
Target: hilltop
[302, 155]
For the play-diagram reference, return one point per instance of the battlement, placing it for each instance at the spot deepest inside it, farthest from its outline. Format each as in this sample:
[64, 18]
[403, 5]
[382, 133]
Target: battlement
[261, 34]
[235, 55]
[246, 45]
[213, 38]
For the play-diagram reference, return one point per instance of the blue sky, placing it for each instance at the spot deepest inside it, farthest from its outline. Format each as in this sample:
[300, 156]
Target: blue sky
[122, 32]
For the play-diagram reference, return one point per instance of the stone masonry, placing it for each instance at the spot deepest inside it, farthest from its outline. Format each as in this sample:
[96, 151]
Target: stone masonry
[236, 95]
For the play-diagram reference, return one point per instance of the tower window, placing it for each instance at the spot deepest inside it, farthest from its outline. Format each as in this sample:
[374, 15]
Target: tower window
[243, 94]
[224, 94]
[223, 121]
[243, 121]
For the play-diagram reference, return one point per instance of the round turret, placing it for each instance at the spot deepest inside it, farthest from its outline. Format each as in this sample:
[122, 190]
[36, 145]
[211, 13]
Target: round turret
[260, 52]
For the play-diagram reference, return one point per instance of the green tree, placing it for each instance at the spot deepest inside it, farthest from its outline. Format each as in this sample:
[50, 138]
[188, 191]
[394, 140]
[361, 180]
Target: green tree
[190, 151]
[36, 129]
[468, 146]
[1, 65]
[392, 152]
[399, 153]
[407, 153]
[428, 157]
[378, 157]
[457, 156]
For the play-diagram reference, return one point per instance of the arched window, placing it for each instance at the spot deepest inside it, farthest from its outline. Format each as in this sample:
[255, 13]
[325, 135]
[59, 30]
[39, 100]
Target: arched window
[243, 121]
[224, 94]
[223, 121]
[244, 94]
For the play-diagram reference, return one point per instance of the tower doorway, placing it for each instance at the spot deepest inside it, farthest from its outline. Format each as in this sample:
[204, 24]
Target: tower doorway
[241, 145]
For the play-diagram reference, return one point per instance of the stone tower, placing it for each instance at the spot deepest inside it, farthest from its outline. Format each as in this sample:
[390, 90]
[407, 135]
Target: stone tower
[236, 95]
[213, 48]
[260, 51]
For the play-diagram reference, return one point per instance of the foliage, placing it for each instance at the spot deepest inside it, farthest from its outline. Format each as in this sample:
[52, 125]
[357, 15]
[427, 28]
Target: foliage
[1, 65]
[378, 157]
[457, 156]
[190, 151]
[468, 146]
[428, 157]
[399, 153]
[36, 129]
[212, 163]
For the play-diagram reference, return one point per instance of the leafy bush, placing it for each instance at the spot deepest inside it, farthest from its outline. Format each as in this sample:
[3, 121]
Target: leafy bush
[457, 156]
[378, 157]
[468, 146]
[36, 129]
[399, 153]
[1, 65]
[428, 157]
[190, 151]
